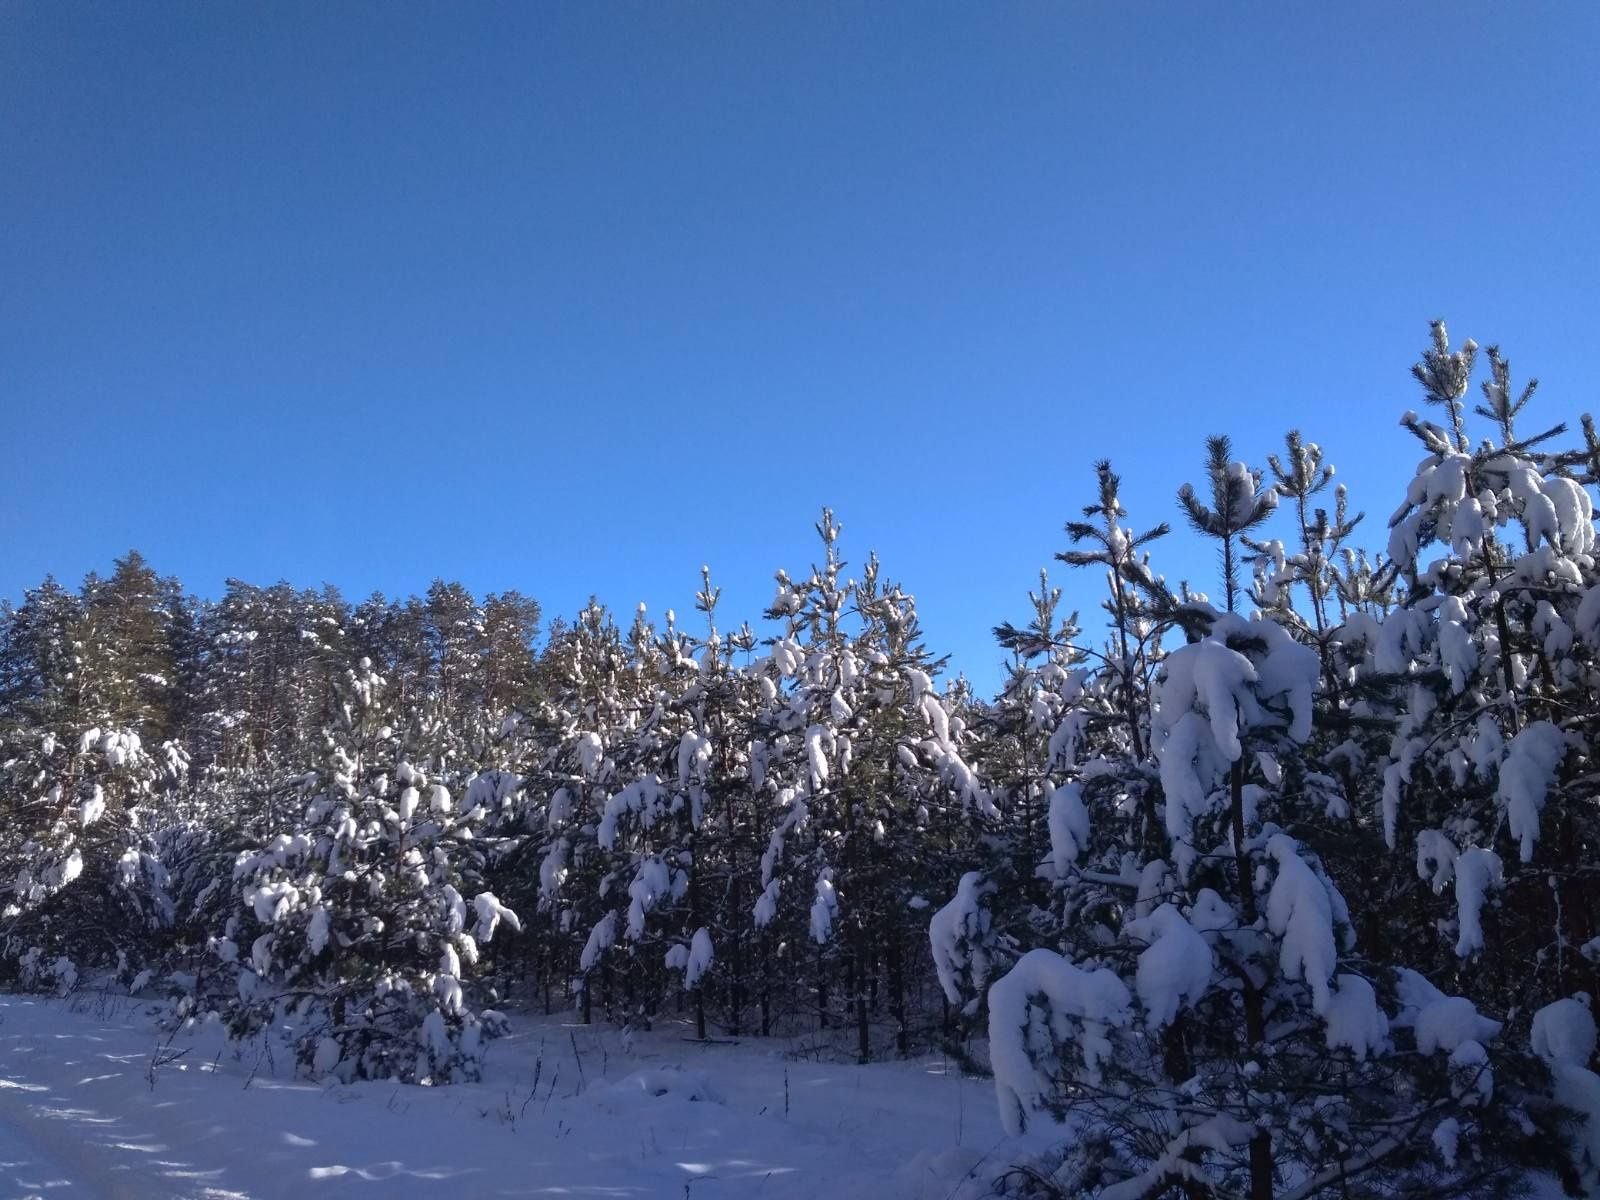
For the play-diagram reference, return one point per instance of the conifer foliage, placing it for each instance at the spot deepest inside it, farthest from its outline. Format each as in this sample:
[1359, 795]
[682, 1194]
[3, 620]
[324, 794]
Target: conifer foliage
[1280, 884]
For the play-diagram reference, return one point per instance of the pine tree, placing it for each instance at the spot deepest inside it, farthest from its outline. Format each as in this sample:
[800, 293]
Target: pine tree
[358, 926]
[1196, 1019]
[126, 636]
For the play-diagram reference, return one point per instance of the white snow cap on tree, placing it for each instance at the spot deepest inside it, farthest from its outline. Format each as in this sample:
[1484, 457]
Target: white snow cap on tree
[824, 907]
[1441, 1023]
[1300, 912]
[1476, 871]
[1355, 1022]
[958, 936]
[317, 930]
[699, 960]
[694, 756]
[1208, 693]
[490, 914]
[92, 808]
[1208, 678]
[590, 753]
[652, 882]
[601, 938]
[1564, 1036]
[1525, 779]
[1069, 825]
[1042, 1003]
[643, 797]
[819, 741]
[766, 904]
[1436, 858]
[1564, 1032]
[1457, 653]
[1174, 969]
[1449, 1025]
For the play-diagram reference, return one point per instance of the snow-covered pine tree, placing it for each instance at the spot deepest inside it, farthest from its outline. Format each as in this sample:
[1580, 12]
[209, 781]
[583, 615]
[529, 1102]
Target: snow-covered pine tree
[268, 662]
[1189, 1035]
[714, 775]
[1485, 666]
[920, 807]
[85, 888]
[594, 690]
[870, 762]
[39, 657]
[1114, 703]
[1093, 814]
[1470, 719]
[355, 928]
[82, 886]
[799, 753]
[999, 902]
[646, 833]
[125, 641]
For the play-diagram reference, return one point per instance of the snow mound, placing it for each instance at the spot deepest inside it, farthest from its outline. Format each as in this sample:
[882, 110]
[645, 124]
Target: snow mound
[654, 1083]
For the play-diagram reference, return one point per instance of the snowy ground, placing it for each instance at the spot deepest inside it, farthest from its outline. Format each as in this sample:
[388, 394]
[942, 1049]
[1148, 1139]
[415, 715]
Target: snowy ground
[85, 1116]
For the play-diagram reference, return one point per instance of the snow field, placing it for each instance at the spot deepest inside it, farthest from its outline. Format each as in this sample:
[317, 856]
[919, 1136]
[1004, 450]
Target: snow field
[96, 1102]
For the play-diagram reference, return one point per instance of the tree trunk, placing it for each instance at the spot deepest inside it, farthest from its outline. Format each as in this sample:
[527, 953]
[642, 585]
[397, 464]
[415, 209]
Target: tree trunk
[1255, 1022]
[766, 988]
[897, 1001]
[859, 970]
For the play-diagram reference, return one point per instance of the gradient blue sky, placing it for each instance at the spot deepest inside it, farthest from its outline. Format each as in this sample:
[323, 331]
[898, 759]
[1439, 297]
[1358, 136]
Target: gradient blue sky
[573, 298]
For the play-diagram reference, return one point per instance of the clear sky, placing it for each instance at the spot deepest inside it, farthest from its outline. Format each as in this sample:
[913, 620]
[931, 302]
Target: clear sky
[575, 297]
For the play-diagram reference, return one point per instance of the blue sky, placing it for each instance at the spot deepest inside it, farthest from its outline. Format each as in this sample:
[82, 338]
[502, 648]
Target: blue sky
[573, 298]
